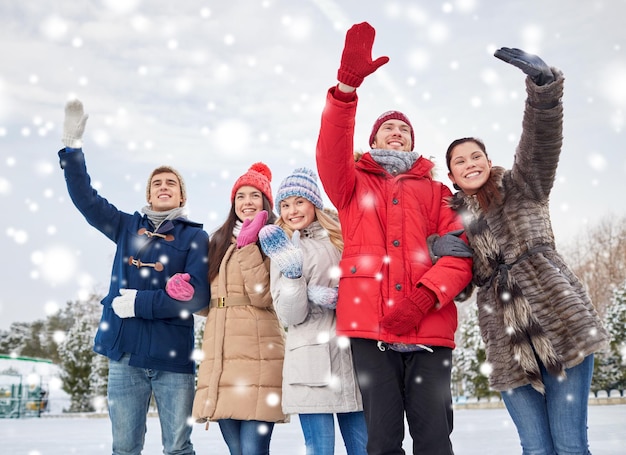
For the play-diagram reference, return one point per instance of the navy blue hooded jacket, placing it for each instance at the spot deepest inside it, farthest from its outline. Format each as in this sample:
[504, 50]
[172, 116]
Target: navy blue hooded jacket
[161, 335]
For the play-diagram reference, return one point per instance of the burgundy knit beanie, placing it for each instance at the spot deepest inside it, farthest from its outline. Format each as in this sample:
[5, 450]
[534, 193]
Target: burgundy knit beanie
[391, 115]
[258, 176]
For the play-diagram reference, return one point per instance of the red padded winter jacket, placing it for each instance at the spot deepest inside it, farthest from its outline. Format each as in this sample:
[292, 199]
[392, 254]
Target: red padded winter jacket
[385, 221]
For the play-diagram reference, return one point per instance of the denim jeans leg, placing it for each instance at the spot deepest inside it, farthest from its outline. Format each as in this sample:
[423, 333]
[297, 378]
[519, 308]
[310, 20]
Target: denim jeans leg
[319, 433]
[529, 412]
[567, 401]
[231, 432]
[247, 437]
[353, 431]
[173, 393]
[128, 395]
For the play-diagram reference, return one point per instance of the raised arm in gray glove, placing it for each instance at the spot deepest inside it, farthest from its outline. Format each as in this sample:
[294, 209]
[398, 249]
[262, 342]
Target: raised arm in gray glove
[530, 64]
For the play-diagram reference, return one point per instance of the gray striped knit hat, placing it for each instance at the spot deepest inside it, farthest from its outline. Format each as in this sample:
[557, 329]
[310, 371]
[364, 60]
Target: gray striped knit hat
[302, 182]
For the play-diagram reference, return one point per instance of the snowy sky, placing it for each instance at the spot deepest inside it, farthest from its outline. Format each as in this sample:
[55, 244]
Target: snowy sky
[211, 87]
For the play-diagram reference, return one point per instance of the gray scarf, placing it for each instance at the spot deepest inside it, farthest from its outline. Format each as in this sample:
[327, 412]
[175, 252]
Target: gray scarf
[157, 218]
[394, 161]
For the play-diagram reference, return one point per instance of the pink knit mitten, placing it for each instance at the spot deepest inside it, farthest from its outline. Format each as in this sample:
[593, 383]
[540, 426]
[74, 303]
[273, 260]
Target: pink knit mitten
[178, 287]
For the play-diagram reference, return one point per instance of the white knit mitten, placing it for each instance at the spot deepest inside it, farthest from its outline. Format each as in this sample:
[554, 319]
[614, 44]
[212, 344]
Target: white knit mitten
[323, 296]
[124, 304]
[74, 124]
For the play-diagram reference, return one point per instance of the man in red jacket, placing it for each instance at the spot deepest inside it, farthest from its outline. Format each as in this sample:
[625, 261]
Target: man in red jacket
[394, 304]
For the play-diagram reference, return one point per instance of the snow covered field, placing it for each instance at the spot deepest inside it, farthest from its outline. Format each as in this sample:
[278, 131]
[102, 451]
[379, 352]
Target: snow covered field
[477, 432]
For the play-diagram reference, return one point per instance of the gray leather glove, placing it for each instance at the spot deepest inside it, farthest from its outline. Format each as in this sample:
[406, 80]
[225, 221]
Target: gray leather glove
[451, 245]
[530, 64]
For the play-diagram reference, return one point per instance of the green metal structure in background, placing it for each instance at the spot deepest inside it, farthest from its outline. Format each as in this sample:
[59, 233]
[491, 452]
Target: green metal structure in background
[22, 395]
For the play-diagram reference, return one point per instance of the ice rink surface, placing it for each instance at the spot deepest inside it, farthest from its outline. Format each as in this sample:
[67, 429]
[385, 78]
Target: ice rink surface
[476, 432]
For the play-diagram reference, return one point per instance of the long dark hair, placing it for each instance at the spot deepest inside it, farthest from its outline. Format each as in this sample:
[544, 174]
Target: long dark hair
[489, 193]
[221, 238]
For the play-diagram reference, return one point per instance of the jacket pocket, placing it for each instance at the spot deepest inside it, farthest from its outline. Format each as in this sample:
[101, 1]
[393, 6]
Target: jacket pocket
[310, 365]
[109, 329]
[362, 266]
[171, 343]
[361, 281]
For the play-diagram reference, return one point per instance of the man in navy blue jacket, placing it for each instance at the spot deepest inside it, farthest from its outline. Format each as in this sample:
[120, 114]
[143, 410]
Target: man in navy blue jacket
[147, 335]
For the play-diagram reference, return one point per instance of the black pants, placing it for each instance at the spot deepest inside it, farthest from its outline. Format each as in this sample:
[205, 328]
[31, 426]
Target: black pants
[394, 383]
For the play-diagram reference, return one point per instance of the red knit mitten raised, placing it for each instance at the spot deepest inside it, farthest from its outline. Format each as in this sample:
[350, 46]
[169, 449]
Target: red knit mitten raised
[356, 59]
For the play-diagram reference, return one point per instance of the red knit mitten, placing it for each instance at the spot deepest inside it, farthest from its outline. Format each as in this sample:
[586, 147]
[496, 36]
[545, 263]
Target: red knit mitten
[407, 314]
[356, 59]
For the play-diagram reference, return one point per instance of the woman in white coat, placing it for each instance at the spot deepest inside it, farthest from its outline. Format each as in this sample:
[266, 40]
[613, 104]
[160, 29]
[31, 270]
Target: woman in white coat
[318, 375]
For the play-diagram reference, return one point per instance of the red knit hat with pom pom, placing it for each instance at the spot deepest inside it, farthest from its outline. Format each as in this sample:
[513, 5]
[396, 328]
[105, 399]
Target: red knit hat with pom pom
[258, 176]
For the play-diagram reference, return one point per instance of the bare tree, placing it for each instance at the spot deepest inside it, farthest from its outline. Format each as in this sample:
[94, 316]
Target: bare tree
[598, 257]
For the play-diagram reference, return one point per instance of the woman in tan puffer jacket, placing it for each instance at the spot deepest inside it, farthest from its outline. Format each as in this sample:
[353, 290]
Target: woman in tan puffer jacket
[240, 376]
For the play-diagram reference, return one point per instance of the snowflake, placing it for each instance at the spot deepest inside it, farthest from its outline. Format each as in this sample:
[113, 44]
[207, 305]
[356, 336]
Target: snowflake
[485, 369]
[197, 355]
[343, 342]
[334, 272]
[273, 399]
[323, 337]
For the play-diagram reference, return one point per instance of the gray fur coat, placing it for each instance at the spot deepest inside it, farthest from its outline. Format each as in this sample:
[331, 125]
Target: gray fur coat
[531, 305]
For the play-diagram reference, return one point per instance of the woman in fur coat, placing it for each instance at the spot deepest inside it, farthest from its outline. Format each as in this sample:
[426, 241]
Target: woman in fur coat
[536, 319]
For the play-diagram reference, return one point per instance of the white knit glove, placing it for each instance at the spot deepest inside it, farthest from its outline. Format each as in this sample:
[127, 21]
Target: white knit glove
[74, 124]
[323, 296]
[124, 305]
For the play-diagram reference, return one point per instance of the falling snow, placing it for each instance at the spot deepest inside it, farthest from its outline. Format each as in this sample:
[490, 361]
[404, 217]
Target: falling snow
[210, 90]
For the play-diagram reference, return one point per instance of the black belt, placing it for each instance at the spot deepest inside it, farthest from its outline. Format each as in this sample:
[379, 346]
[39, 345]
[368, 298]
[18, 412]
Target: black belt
[502, 268]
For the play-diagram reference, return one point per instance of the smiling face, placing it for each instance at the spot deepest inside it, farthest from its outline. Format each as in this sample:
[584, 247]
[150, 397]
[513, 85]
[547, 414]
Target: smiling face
[248, 202]
[165, 192]
[297, 212]
[393, 135]
[469, 167]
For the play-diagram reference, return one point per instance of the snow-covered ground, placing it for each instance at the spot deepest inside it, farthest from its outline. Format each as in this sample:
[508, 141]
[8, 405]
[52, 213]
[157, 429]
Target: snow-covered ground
[477, 432]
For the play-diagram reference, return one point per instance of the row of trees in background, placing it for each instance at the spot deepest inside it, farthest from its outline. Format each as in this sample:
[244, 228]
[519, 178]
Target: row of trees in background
[599, 258]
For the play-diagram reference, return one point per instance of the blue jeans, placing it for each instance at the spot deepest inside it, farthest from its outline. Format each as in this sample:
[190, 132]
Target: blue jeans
[554, 423]
[319, 433]
[129, 393]
[247, 437]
